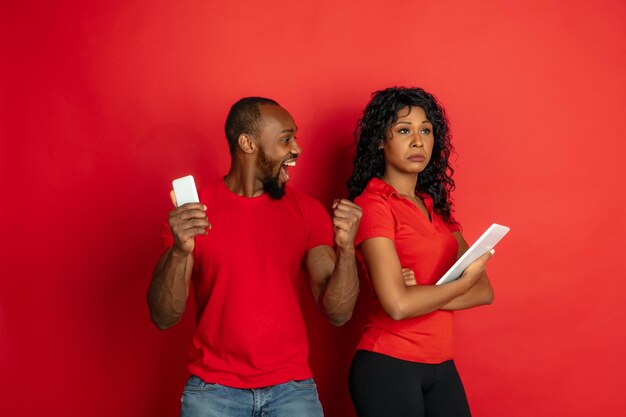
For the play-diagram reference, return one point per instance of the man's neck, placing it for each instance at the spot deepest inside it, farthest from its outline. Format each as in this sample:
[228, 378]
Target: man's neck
[241, 180]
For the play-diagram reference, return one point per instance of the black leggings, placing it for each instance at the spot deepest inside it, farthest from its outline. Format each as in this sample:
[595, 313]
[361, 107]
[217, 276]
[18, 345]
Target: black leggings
[382, 386]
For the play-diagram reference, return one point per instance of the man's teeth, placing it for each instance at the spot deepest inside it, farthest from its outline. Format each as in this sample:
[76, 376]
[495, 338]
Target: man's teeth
[290, 164]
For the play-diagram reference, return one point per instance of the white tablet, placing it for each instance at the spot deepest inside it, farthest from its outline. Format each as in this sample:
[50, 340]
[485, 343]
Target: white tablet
[483, 244]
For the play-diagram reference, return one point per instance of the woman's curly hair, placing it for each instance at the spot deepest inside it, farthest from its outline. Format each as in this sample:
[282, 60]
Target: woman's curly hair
[374, 128]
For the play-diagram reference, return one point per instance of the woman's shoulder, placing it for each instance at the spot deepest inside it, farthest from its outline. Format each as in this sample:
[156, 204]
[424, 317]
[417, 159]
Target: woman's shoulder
[376, 191]
[371, 200]
[374, 203]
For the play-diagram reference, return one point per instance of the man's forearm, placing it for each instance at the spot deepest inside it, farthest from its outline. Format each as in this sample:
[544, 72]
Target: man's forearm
[342, 290]
[168, 292]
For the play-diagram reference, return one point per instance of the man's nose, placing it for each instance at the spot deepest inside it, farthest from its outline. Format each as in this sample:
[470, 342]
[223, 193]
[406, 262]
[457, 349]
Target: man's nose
[295, 147]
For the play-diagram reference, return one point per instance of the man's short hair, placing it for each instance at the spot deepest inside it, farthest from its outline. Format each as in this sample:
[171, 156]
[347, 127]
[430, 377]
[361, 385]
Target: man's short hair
[244, 117]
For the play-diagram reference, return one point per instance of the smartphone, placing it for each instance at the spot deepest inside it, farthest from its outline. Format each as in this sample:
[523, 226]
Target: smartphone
[185, 190]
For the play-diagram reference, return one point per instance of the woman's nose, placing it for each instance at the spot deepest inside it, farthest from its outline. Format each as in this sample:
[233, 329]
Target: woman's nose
[417, 141]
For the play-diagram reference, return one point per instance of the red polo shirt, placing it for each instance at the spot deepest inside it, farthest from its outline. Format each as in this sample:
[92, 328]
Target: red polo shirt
[429, 249]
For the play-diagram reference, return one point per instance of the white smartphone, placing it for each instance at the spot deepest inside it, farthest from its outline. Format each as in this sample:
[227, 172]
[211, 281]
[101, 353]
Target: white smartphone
[185, 190]
[483, 244]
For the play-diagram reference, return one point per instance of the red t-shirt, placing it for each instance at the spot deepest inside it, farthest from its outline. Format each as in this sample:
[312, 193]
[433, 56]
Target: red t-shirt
[247, 273]
[429, 249]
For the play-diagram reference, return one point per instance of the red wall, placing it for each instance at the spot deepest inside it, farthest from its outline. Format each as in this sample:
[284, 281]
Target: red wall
[103, 103]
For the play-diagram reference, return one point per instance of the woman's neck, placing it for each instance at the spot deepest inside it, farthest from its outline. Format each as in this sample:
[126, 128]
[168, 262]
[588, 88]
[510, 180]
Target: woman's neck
[403, 183]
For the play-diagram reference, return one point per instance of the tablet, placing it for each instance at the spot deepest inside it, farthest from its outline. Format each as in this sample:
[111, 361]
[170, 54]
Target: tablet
[483, 244]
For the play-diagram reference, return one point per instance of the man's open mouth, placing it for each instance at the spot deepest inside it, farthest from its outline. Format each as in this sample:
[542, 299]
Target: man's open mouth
[284, 169]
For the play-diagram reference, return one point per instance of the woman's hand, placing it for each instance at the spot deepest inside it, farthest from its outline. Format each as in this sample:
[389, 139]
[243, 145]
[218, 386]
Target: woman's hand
[409, 277]
[476, 270]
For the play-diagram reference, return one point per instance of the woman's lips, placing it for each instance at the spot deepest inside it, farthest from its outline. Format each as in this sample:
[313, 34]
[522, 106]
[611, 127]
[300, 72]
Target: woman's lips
[417, 158]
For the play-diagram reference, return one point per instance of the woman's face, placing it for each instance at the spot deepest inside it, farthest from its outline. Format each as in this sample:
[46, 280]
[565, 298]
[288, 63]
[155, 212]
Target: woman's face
[409, 143]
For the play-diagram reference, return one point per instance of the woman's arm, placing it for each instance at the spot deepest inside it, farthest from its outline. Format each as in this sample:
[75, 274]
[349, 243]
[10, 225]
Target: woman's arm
[400, 301]
[480, 294]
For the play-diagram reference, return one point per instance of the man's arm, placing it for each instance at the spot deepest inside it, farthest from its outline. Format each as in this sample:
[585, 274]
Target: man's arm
[169, 289]
[333, 276]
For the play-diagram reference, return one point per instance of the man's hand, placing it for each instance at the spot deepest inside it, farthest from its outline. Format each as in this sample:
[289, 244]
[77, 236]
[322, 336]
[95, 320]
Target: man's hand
[346, 218]
[187, 222]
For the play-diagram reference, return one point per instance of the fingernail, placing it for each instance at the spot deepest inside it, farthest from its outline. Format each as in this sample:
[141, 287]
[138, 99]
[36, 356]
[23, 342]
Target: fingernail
[204, 207]
[492, 251]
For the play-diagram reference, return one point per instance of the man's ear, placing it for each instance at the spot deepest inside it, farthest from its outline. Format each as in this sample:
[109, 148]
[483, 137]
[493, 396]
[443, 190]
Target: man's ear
[246, 143]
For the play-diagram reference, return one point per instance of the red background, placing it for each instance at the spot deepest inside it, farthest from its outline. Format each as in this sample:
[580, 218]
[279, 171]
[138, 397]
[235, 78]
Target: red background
[103, 103]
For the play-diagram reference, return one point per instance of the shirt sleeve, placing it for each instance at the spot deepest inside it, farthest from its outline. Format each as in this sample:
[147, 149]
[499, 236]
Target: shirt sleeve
[320, 226]
[377, 219]
[167, 238]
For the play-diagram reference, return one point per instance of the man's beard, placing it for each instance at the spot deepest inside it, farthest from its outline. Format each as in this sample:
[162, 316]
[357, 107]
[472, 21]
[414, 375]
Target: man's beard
[271, 186]
[270, 181]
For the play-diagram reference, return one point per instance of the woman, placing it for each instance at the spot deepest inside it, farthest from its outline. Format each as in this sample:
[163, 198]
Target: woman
[402, 181]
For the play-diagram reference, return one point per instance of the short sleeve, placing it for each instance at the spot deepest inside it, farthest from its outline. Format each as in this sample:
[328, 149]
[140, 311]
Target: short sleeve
[377, 219]
[167, 238]
[319, 226]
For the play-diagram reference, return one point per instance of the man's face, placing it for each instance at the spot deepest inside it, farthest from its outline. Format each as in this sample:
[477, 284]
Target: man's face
[278, 149]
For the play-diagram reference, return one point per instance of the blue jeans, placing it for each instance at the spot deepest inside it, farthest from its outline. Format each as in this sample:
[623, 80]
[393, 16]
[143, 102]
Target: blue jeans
[293, 398]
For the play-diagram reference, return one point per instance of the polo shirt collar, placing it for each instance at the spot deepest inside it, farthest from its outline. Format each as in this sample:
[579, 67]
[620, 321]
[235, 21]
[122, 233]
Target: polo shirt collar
[378, 186]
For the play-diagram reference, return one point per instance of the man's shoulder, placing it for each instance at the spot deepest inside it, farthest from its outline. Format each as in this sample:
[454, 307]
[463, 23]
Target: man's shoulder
[307, 205]
[211, 188]
[213, 184]
[300, 196]
[313, 216]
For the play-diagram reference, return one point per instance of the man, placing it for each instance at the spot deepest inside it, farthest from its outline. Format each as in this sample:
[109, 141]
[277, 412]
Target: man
[249, 352]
